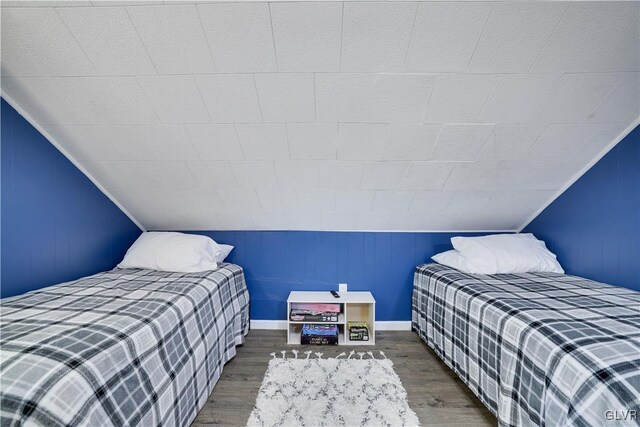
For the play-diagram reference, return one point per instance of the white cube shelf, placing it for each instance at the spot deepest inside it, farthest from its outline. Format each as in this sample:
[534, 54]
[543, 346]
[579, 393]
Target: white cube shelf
[355, 307]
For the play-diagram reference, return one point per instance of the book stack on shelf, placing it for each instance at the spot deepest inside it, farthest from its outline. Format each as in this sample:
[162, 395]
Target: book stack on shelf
[358, 331]
[324, 333]
[314, 312]
[319, 334]
[317, 317]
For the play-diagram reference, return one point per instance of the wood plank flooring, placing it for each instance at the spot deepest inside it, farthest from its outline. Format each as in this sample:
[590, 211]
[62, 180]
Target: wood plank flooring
[436, 394]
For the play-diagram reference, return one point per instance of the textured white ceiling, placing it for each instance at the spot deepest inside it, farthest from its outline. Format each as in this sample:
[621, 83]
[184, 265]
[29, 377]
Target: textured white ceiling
[327, 115]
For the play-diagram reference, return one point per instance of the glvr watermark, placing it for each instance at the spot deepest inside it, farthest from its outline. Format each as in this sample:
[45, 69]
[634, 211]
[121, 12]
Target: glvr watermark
[621, 415]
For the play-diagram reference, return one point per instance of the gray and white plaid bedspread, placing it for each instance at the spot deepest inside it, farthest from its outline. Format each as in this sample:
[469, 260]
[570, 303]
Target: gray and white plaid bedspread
[538, 349]
[121, 348]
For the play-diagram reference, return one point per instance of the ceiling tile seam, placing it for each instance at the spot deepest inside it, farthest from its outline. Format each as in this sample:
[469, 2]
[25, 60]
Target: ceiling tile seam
[275, 174]
[484, 27]
[126, 9]
[337, 141]
[484, 204]
[143, 124]
[535, 61]
[286, 135]
[195, 148]
[99, 4]
[235, 129]
[604, 98]
[295, 200]
[486, 141]
[435, 74]
[75, 125]
[361, 174]
[341, 34]
[536, 139]
[484, 104]
[637, 52]
[521, 158]
[444, 183]
[413, 25]
[273, 38]
[413, 198]
[315, 100]
[581, 172]
[255, 191]
[614, 87]
[72, 159]
[584, 142]
[426, 108]
[486, 101]
[405, 175]
[433, 149]
[204, 35]
[494, 194]
[386, 73]
[255, 87]
[146, 98]
[204, 104]
[614, 43]
[376, 194]
[206, 107]
[549, 94]
[370, 204]
[326, 123]
[557, 84]
[55, 9]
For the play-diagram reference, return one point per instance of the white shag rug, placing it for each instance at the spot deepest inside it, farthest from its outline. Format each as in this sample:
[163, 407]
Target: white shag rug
[349, 390]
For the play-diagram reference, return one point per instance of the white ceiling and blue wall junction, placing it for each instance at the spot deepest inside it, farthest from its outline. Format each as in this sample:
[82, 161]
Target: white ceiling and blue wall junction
[425, 116]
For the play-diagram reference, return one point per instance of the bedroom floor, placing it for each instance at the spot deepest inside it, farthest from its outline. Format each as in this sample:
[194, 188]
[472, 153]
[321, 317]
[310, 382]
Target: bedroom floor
[436, 394]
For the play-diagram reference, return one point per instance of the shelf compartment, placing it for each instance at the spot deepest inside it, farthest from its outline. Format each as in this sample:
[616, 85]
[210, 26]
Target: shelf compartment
[341, 321]
[359, 306]
[293, 336]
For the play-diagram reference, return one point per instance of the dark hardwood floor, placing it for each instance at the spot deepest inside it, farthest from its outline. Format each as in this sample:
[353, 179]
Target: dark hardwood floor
[436, 394]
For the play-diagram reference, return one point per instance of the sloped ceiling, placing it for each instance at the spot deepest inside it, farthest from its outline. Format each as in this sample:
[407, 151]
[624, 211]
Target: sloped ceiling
[327, 115]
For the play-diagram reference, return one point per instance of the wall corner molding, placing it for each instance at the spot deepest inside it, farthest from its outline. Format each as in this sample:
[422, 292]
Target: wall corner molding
[581, 172]
[16, 106]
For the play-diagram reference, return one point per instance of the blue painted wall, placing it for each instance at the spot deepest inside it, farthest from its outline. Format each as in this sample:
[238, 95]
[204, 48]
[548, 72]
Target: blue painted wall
[278, 262]
[594, 226]
[56, 224]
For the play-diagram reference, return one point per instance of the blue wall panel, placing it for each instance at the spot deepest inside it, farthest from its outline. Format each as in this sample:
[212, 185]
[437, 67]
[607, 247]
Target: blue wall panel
[594, 226]
[56, 225]
[278, 262]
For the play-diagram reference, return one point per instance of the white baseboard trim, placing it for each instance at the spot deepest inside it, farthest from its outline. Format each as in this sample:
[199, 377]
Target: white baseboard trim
[393, 325]
[269, 324]
[402, 325]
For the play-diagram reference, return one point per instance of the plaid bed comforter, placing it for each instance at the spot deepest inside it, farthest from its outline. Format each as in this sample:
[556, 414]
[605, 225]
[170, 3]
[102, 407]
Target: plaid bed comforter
[538, 349]
[121, 348]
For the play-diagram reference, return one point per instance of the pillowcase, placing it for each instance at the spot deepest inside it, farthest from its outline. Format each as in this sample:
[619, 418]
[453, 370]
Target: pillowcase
[452, 259]
[223, 252]
[506, 253]
[167, 251]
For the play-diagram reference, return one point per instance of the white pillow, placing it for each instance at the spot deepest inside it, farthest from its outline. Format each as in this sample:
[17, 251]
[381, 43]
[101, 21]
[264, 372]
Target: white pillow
[165, 251]
[506, 253]
[223, 253]
[452, 259]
